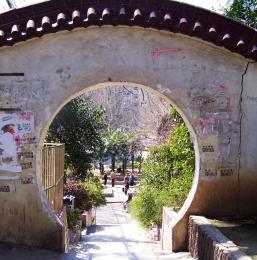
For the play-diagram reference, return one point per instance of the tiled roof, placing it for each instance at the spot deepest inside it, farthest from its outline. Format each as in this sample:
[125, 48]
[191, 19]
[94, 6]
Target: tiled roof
[56, 15]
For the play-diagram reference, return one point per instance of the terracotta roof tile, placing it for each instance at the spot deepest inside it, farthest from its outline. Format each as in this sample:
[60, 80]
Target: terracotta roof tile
[52, 16]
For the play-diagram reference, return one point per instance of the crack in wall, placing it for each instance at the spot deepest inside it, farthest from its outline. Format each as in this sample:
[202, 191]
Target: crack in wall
[241, 114]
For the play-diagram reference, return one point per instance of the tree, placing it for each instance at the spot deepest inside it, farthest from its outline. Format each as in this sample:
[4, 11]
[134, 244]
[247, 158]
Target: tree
[244, 11]
[135, 146]
[113, 137]
[119, 145]
[79, 125]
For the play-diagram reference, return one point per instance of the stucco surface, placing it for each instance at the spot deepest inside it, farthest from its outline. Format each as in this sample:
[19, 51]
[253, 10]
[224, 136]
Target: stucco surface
[203, 81]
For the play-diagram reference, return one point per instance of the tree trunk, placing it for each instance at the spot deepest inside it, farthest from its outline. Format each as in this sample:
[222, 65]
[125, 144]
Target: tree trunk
[140, 163]
[132, 160]
[124, 165]
[101, 167]
[113, 162]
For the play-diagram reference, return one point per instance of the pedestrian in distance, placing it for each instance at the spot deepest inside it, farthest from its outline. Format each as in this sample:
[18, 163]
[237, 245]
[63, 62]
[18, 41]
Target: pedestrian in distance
[126, 188]
[126, 179]
[113, 177]
[126, 184]
[105, 178]
[125, 203]
[132, 180]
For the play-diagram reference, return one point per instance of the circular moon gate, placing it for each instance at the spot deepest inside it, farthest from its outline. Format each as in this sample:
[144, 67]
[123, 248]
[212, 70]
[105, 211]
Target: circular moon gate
[187, 58]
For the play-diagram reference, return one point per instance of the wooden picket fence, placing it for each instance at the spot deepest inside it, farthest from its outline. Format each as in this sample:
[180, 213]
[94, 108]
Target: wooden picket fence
[52, 174]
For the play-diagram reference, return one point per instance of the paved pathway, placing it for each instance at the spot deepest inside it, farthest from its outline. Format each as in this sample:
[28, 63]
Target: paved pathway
[115, 237]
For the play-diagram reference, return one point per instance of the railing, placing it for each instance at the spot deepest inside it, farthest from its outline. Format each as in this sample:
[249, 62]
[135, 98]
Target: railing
[52, 174]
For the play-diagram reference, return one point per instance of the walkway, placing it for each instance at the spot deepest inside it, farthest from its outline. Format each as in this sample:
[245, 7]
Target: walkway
[115, 237]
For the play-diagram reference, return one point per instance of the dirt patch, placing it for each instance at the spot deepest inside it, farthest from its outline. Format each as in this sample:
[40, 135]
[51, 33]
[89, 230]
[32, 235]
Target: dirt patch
[242, 232]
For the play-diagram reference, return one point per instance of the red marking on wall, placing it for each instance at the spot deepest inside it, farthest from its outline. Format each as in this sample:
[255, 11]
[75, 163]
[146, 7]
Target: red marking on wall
[157, 52]
[223, 88]
[228, 103]
[209, 125]
[220, 87]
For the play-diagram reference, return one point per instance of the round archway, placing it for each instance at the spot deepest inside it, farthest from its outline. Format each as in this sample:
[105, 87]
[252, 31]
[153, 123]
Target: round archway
[184, 61]
[93, 89]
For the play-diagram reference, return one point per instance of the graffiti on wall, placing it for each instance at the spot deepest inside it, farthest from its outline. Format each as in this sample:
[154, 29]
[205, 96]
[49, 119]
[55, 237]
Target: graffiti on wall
[5, 188]
[16, 137]
[216, 121]
[27, 180]
[157, 52]
[220, 172]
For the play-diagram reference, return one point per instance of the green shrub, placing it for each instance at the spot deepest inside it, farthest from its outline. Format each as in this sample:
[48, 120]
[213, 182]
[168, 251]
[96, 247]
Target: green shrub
[96, 196]
[168, 174]
[72, 218]
[143, 207]
[87, 194]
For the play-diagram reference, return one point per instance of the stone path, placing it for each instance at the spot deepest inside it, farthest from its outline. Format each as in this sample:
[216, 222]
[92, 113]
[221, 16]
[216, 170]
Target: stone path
[115, 237]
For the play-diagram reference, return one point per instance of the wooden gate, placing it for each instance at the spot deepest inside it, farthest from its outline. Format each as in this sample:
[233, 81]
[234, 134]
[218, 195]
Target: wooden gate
[52, 174]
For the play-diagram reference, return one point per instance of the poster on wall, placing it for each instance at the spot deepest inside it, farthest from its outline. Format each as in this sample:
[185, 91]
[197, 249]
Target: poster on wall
[16, 137]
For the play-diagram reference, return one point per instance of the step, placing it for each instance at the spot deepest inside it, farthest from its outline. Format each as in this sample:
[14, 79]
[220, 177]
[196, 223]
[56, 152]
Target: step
[174, 256]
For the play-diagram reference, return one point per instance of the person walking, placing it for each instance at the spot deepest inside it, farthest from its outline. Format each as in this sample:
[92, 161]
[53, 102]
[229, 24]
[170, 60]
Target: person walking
[105, 178]
[126, 184]
[113, 177]
[132, 180]
[126, 202]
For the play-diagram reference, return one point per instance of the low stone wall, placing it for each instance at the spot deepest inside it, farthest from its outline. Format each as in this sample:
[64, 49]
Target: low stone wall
[205, 242]
[168, 217]
[65, 234]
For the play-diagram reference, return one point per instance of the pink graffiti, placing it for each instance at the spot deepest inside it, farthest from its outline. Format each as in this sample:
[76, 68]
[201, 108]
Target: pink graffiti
[225, 153]
[220, 87]
[209, 124]
[157, 52]
[25, 116]
[224, 88]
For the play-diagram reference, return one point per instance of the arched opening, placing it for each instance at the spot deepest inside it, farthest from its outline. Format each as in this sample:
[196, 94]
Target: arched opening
[169, 100]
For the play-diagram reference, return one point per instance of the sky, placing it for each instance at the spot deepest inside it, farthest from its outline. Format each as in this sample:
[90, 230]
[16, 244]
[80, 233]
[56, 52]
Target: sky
[214, 5]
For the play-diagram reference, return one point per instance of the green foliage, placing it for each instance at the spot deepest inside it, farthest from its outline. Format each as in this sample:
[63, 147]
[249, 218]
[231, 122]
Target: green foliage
[96, 196]
[244, 11]
[168, 173]
[79, 125]
[144, 207]
[121, 145]
[175, 116]
[119, 142]
[87, 194]
[72, 218]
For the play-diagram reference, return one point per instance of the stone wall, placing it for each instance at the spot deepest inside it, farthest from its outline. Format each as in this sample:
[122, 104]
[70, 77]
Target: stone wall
[211, 87]
[205, 242]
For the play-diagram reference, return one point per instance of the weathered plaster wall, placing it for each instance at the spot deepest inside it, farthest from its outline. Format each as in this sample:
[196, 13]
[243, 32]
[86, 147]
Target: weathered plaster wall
[203, 80]
[248, 161]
